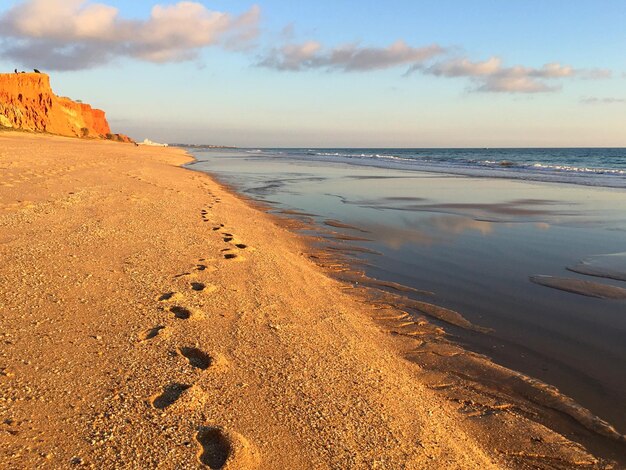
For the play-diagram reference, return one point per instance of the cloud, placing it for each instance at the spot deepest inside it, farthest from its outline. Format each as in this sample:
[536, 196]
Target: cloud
[595, 74]
[463, 68]
[491, 76]
[76, 34]
[80, 34]
[292, 56]
[608, 100]
[347, 58]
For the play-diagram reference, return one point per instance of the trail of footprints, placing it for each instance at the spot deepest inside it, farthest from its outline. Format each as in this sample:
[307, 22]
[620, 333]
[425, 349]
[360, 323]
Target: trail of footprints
[218, 447]
[228, 238]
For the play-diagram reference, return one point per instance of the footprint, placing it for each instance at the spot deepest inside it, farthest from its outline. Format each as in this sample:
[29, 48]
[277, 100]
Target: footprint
[191, 275]
[204, 288]
[215, 447]
[196, 357]
[170, 394]
[166, 296]
[179, 397]
[181, 312]
[204, 268]
[225, 450]
[170, 297]
[184, 313]
[150, 333]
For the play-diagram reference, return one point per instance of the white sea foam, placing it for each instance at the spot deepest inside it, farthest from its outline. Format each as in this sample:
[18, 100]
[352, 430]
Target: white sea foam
[592, 167]
[600, 171]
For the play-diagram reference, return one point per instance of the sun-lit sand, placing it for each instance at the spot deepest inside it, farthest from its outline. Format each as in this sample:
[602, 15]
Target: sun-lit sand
[152, 319]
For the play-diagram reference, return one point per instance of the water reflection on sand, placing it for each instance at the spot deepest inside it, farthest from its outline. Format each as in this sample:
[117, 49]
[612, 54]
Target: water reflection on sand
[426, 231]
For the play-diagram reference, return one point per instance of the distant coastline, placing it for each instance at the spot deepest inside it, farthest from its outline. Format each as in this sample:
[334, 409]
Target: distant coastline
[202, 146]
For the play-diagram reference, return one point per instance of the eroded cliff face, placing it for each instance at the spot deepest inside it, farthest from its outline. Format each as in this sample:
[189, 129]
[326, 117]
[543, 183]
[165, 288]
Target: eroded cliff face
[28, 103]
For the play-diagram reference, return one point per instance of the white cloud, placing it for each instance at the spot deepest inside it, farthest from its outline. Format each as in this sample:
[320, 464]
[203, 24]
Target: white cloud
[60, 20]
[75, 34]
[491, 76]
[292, 56]
[464, 68]
[347, 58]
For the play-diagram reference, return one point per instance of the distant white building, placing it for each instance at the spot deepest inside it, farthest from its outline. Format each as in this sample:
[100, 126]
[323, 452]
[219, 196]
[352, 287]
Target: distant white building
[152, 144]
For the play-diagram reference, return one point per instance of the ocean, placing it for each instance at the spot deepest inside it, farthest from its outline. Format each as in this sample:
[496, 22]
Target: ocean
[487, 231]
[587, 166]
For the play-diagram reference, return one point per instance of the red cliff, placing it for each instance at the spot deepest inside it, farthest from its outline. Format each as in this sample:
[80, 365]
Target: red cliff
[27, 102]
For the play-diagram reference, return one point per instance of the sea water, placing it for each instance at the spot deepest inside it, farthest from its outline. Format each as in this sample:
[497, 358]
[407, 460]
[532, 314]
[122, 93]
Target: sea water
[474, 226]
[587, 166]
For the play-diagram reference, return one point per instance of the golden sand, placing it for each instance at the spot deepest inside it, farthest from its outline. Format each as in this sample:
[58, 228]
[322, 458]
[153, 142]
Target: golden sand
[152, 319]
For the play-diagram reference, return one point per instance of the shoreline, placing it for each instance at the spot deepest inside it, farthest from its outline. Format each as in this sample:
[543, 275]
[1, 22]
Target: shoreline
[403, 247]
[198, 347]
[497, 170]
[471, 368]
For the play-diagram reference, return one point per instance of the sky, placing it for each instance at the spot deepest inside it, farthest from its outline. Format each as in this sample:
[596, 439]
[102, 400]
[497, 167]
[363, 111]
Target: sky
[399, 73]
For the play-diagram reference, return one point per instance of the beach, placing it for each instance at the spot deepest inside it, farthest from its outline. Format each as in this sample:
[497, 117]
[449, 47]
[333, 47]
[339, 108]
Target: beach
[152, 318]
[533, 261]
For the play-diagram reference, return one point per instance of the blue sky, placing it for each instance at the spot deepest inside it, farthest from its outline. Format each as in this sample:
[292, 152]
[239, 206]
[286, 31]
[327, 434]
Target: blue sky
[334, 73]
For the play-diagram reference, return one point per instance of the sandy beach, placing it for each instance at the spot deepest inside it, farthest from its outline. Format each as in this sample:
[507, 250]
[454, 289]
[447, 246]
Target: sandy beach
[150, 318]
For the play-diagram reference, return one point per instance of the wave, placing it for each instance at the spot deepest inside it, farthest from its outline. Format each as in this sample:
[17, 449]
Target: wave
[590, 167]
[371, 155]
[578, 166]
[599, 171]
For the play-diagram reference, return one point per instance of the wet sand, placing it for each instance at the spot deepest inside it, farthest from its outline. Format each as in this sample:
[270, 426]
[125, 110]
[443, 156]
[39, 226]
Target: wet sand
[151, 318]
[474, 244]
[578, 286]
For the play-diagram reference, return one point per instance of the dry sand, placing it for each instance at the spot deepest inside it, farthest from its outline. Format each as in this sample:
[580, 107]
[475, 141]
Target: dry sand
[149, 318]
